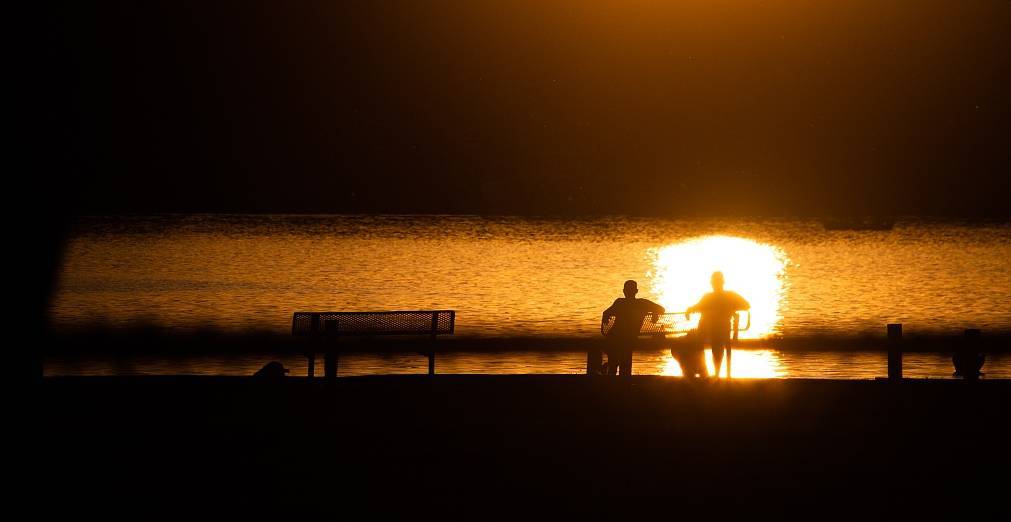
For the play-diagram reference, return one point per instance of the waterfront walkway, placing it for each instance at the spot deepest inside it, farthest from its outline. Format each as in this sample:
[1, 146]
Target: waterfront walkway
[461, 442]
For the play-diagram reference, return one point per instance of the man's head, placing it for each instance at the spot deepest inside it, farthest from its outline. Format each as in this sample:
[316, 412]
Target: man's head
[717, 281]
[631, 288]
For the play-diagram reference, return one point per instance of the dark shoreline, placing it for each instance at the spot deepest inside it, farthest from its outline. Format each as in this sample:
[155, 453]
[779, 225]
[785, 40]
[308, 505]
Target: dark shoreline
[404, 444]
[151, 341]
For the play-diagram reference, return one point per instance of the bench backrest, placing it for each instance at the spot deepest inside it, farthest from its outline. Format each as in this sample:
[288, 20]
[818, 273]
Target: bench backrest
[672, 323]
[407, 322]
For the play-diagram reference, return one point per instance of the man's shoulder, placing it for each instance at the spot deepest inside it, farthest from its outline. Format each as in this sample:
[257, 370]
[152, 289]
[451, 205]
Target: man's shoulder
[646, 303]
[736, 300]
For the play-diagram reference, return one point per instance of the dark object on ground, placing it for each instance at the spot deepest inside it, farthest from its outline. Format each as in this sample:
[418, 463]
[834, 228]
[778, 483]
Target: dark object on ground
[328, 327]
[690, 354]
[969, 365]
[272, 370]
[968, 360]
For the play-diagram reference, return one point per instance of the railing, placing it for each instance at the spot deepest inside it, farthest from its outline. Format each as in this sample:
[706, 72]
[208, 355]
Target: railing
[673, 323]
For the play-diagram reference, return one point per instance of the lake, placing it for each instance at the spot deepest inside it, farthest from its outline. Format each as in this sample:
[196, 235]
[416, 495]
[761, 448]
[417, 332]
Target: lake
[523, 277]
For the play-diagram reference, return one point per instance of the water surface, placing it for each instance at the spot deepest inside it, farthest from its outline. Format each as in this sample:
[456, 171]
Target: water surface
[514, 276]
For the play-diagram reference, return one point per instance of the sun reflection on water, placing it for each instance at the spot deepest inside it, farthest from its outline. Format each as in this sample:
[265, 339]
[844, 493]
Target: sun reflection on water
[754, 270]
[755, 364]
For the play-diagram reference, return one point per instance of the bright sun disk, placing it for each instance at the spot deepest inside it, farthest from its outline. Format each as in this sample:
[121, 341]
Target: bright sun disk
[754, 270]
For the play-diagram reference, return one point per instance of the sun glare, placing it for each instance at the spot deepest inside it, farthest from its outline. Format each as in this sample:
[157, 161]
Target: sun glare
[753, 364]
[752, 269]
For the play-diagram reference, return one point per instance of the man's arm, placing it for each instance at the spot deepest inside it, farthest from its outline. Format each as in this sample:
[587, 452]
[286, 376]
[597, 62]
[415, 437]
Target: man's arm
[656, 310]
[609, 313]
[742, 303]
[693, 308]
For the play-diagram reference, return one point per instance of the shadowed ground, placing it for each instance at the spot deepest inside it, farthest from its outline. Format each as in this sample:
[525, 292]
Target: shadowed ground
[479, 445]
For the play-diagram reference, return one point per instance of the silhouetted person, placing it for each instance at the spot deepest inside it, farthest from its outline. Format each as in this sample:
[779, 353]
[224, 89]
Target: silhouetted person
[628, 313]
[717, 308]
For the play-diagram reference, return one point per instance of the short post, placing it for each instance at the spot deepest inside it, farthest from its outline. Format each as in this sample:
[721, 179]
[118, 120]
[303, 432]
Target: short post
[895, 351]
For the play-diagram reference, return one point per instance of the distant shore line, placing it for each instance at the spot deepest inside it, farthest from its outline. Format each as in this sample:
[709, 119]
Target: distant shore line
[165, 341]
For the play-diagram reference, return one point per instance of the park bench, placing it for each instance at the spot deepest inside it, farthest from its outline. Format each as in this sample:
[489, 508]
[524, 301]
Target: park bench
[327, 328]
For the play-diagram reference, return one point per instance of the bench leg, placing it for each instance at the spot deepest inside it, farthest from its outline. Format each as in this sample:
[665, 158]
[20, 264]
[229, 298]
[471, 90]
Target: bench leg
[311, 363]
[594, 359]
[431, 363]
[330, 365]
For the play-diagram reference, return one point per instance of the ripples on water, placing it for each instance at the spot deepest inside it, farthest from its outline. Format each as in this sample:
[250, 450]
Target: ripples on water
[514, 276]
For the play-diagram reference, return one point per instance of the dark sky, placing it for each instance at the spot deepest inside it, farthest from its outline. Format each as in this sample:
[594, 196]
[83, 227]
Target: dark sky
[540, 107]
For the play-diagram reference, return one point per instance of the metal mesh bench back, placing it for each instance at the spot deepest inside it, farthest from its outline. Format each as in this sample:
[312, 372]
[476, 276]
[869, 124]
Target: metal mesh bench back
[671, 323]
[410, 322]
[668, 324]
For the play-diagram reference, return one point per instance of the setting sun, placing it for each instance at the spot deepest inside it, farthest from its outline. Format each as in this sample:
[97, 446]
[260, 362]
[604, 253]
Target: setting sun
[752, 269]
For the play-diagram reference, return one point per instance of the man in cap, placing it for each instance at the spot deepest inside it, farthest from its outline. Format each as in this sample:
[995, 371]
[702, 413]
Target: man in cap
[628, 313]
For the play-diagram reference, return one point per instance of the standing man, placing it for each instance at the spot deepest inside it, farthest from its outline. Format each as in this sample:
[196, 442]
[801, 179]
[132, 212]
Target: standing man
[718, 308]
[628, 313]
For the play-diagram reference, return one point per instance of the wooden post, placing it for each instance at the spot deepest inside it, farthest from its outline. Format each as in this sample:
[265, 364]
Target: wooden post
[311, 362]
[895, 351]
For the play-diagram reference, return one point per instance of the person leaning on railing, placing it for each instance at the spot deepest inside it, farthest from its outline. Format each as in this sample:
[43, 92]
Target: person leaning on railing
[717, 308]
[628, 313]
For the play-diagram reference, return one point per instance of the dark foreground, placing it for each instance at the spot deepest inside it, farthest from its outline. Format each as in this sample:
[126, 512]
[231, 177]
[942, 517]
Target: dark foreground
[484, 446]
